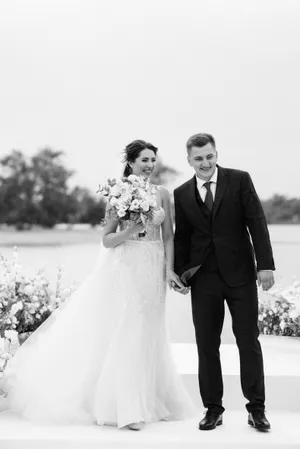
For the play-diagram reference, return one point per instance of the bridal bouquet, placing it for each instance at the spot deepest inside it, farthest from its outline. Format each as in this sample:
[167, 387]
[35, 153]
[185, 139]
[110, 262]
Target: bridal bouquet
[131, 198]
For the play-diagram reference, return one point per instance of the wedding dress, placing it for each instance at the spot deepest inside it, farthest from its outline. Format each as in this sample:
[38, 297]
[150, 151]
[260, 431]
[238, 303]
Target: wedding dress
[104, 356]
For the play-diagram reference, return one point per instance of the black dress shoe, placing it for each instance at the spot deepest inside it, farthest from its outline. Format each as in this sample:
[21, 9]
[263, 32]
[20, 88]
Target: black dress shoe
[211, 421]
[258, 419]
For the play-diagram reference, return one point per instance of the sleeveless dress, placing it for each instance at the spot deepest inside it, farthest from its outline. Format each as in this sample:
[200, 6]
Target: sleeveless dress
[104, 356]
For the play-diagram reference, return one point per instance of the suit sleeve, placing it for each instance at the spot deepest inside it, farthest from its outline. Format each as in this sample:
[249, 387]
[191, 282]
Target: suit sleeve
[181, 238]
[257, 225]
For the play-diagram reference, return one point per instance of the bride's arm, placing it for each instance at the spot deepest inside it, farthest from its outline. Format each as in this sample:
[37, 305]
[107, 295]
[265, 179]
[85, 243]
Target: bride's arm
[111, 238]
[168, 239]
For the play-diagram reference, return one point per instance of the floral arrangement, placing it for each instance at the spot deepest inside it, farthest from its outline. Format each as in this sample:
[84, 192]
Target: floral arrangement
[130, 198]
[279, 311]
[26, 302]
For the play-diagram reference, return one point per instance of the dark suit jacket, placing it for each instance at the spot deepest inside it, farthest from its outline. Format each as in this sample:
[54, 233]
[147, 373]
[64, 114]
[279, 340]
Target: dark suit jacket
[237, 212]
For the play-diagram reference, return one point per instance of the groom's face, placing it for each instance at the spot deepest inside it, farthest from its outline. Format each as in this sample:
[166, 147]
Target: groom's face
[203, 160]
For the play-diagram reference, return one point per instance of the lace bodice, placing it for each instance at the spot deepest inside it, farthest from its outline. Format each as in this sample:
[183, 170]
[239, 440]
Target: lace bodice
[152, 227]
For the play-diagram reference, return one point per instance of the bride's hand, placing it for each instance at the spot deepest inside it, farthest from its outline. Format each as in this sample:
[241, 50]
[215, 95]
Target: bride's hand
[136, 227]
[175, 283]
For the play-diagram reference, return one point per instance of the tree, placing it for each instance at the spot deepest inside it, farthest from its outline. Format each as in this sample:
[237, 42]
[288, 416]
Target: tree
[88, 209]
[55, 203]
[17, 184]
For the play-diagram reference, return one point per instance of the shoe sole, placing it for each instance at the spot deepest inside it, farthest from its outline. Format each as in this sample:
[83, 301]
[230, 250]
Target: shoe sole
[261, 429]
[219, 423]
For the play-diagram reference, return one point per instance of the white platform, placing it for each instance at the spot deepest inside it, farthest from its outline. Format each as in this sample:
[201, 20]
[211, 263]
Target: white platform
[281, 365]
[234, 434]
[282, 370]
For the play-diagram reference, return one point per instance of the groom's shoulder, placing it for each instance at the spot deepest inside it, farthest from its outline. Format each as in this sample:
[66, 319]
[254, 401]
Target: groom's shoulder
[235, 172]
[182, 187]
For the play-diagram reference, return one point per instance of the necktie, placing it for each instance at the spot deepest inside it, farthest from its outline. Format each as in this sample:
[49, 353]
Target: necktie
[209, 202]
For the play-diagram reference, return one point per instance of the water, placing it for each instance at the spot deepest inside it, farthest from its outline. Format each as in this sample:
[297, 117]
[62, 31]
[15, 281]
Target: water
[77, 252]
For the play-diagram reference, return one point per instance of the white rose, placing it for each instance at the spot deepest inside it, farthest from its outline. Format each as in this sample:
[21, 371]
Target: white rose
[145, 206]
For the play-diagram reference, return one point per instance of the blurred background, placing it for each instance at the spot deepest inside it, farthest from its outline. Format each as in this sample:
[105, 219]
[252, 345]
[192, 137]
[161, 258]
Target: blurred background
[80, 79]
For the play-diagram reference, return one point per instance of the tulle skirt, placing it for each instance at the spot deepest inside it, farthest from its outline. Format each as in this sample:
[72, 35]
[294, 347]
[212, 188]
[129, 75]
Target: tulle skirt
[104, 356]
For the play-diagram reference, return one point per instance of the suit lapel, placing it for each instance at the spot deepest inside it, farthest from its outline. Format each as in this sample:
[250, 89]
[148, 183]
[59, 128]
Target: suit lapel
[222, 182]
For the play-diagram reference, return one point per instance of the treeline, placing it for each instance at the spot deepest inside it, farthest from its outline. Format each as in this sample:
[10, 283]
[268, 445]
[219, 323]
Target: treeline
[282, 210]
[35, 191]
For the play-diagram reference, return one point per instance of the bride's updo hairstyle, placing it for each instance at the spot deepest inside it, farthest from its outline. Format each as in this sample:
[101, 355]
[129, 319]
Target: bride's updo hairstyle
[132, 152]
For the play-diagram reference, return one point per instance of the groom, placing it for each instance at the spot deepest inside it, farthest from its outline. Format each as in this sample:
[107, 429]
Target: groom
[216, 213]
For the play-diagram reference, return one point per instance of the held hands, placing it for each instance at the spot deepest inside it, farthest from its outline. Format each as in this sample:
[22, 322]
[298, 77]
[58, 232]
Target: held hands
[175, 283]
[265, 278]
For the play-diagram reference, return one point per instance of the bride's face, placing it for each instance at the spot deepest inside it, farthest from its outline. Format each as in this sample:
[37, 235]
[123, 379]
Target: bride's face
[144, 163]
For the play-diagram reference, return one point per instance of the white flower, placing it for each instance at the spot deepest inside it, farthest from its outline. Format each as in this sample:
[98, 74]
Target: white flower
[133, 178]
[35, 298]
[16, 307]
[38, 316]
[29, 290]
[115, 191]
[121, 212]
[113, 201]
[260, 318]
[135, 205]
[145, 206]
[126, 198]
[11, 335]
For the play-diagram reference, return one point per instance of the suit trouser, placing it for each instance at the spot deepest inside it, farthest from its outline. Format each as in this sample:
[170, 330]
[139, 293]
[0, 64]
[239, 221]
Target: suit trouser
[208, 294]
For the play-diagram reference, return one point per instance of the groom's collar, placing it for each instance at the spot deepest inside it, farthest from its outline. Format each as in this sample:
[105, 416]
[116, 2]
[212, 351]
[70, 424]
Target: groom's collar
[214, 178]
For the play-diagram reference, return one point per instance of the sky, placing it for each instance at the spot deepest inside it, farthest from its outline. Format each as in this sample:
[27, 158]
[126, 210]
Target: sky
[89, 76]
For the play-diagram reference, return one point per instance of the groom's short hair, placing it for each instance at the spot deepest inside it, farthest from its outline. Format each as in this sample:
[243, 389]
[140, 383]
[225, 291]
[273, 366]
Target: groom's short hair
[200, 140]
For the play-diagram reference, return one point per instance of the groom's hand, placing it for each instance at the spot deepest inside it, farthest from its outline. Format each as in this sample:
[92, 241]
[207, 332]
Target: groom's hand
[175, 283]
[265, 279]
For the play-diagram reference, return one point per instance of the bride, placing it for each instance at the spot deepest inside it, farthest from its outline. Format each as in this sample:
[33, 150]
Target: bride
[104, 356]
